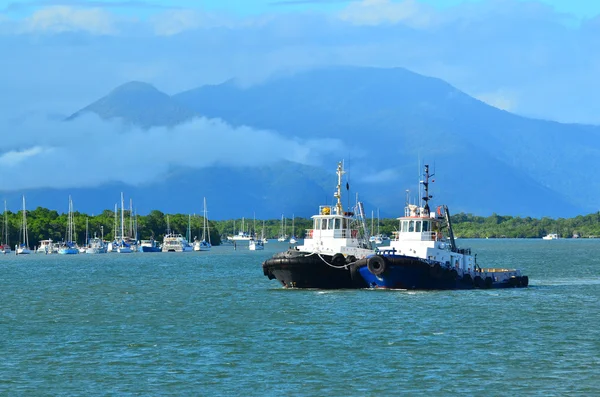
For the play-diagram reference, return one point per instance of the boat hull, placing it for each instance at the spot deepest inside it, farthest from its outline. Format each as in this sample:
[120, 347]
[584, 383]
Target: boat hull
[405, 272]
[297, 269]
[149, 249]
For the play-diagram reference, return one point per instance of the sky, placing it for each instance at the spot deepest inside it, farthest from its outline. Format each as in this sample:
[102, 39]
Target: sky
[536, 58]
[578, 8]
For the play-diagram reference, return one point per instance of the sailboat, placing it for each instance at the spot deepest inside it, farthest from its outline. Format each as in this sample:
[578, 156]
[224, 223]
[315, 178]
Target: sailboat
[204, 245]
[68, 247]
[123, 247]
[83, 249]
[5, 246]
[23, 248]
[282, 235]
[293, 238]
[255, 243]
[112, 246]
[262, 235]
[242, 234]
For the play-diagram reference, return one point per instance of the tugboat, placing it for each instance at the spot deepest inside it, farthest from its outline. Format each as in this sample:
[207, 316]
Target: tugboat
[422, 256]
[334, 242]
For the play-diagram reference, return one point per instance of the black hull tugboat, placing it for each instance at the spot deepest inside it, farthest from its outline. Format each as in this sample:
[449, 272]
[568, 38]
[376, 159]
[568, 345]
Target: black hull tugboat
[423, 255]
[336, 240]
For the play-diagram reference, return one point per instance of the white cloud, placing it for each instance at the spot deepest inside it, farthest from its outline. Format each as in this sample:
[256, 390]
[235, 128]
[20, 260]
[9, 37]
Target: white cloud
[14, 158]
[88, 152]
[58, 19]
[500, 99]
[375, 12]
[173, 22]
[382, 176]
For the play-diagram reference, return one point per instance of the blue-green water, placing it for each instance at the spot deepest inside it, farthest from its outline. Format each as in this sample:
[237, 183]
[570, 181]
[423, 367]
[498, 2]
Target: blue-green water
[212, 324]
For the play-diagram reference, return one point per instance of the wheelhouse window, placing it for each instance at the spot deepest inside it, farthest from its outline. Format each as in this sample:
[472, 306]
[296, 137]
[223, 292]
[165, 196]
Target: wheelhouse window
[411, 226]
[426, 226]
[404, 226]
[418, 226]
[338, 224]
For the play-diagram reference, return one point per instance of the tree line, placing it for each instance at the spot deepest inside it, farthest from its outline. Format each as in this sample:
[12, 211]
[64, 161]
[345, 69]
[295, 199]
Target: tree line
[43, 224]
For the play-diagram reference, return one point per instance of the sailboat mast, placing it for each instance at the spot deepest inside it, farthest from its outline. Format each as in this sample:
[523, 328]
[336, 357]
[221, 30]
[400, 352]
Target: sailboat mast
[115, 235]
[5, 225]
[122, 217]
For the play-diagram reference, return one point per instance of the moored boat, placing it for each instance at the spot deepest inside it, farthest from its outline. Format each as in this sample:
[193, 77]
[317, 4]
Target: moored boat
[423, 255]
[4, 245]
[334, 242]
[23, 247]
[149, 246]
[256, 244]
[96, 246]
[175, 243]
[204, 244]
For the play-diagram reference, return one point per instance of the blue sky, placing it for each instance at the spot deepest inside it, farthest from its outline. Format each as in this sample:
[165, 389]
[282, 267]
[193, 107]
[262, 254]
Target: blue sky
[579, 8]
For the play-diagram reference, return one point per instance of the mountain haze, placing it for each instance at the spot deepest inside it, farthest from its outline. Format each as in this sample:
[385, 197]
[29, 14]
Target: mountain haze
[383, 122]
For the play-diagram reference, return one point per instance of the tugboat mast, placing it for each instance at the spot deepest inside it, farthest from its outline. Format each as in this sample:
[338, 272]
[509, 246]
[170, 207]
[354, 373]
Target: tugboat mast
[427, 196]
[339, 209]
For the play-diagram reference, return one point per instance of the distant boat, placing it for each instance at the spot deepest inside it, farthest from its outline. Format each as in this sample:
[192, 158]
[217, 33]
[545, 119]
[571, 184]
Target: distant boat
[204, 245]
[263, 238]
[96, 246]
[256, 245]
[173, 242]
[69, 247]
[5, 246]
[23, 247]
[122, 246]
[282, 236]
[46, 247]
[242, 234]
[551, 236]
[149, 246]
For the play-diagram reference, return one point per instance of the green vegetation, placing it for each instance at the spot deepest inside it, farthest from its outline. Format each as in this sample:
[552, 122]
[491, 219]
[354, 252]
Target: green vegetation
[44, 224]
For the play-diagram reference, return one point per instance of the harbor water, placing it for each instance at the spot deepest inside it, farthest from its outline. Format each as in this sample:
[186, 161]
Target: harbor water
[210, 323]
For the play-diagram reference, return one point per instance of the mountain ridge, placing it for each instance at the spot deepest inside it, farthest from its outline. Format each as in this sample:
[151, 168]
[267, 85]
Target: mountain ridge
[489, 160]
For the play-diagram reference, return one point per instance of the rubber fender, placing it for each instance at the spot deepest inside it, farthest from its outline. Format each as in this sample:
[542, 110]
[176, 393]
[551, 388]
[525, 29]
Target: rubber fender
[377, 265]
[338, 260]
[350, 259]
[488, 282]
[436, 271]
[467, 279]
[478, 282]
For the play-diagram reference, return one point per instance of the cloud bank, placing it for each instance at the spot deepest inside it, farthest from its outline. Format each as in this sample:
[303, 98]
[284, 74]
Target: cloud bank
[88, 152]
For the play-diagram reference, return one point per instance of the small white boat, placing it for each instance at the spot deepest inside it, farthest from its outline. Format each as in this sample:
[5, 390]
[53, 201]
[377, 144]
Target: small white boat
[204, 245]
[5, 246]
[96, 246]
[175, 243]
[551, 236]
[23, 248]
[256, 245]
[69, 247]
[282, 236]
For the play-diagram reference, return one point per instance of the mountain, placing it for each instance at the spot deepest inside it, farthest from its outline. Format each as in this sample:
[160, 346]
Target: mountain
[497, 161]
[384, 123]
[139, 104]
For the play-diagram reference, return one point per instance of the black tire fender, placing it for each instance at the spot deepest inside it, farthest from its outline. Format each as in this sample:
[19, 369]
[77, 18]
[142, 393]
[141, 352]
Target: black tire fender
[377, 265]
[338, 260]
